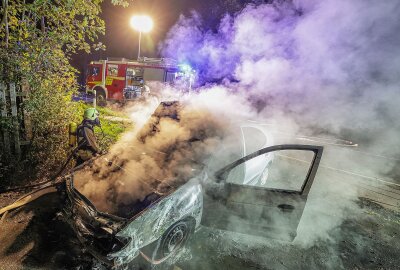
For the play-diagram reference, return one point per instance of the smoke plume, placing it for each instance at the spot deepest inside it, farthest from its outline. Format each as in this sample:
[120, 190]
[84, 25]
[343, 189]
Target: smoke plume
[334, 64]
[162, 153]
[317, 72]
[327, 69]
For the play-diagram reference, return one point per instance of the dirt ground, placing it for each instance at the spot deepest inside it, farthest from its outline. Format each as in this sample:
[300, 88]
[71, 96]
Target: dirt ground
[33, 237]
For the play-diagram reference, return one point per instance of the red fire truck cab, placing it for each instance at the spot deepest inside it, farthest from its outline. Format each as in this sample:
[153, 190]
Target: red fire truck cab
[123, 79]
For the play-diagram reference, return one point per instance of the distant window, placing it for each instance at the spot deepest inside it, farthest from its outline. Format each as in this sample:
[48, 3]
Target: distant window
[134, 77]
[112, 70]
[170, 76]
[130, 72]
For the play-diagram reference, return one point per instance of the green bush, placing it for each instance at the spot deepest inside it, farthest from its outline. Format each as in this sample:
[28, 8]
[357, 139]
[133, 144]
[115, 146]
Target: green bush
[37, 39]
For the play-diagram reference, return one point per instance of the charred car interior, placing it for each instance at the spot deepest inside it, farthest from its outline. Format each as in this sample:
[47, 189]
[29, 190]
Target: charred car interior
[245, 184]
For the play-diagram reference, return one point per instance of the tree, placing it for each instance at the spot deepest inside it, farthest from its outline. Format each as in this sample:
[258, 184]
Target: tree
[37, 40]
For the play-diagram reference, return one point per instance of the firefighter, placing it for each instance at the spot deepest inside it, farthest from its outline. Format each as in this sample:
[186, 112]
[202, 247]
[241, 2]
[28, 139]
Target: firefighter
[87, 143]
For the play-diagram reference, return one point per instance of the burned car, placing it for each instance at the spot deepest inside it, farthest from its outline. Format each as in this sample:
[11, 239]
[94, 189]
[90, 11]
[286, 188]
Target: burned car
[115, 240]
[243, 184]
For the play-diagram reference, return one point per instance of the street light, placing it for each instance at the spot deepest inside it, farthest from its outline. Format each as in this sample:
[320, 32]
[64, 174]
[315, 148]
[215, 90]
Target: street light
[141, 23]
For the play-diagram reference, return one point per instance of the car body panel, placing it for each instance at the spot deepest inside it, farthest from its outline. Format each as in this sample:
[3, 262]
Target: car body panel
[185, 203]
[144, 228]
[254, 210]
[258, 210]
[247, 205]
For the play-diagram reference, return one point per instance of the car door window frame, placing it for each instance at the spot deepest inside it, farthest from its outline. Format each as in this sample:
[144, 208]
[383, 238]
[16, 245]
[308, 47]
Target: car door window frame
[222, 174]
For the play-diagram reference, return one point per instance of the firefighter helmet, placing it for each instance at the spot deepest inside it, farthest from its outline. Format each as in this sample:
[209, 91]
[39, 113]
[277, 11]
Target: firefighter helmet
[91, 114]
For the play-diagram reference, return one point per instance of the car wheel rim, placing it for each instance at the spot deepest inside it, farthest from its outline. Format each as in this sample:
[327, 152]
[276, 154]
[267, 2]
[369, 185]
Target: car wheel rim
[175, 239]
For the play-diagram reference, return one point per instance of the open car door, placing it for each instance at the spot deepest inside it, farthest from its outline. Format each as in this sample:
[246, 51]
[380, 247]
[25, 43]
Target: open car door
[271, 208]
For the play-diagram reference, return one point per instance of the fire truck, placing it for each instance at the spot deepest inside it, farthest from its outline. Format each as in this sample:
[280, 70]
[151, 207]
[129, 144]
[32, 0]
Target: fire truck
[124, 79]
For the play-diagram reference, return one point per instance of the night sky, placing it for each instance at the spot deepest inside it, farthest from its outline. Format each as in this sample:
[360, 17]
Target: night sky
[122, 41]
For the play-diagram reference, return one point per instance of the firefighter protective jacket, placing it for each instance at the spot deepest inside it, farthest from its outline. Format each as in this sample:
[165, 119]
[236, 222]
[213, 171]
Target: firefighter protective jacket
[87, 144]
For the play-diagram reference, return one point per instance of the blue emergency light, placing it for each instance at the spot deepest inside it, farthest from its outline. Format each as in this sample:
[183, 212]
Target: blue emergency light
[185, 68]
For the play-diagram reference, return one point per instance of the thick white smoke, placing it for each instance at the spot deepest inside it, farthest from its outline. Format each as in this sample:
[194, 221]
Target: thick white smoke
[166, 148]
[334, 64]
[322, 68]
[327, 69]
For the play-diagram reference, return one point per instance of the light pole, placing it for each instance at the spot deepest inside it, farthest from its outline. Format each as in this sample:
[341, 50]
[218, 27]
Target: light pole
[141, 23]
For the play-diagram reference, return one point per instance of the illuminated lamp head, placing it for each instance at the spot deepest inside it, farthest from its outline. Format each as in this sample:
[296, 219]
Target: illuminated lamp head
[141, 23]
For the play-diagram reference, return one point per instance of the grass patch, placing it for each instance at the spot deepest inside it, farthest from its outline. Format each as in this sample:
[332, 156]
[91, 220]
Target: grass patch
[110, 112]
[112, 129]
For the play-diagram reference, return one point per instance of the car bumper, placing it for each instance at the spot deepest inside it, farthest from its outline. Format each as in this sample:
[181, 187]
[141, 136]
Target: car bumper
[91, 231]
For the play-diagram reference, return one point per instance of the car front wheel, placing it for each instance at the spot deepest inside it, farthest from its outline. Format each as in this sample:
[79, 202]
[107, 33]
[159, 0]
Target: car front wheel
[174, 238]
[169, 244]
